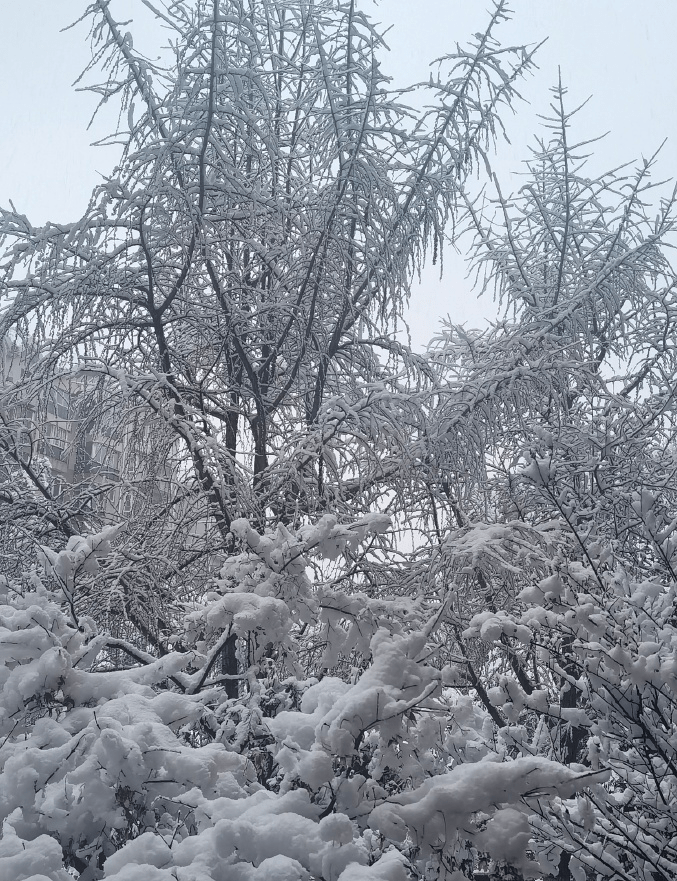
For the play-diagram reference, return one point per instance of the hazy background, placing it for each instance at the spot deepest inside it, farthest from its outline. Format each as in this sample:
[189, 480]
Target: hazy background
[619, 52]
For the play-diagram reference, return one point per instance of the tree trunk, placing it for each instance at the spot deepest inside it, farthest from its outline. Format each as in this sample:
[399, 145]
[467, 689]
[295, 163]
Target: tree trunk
[229, 665]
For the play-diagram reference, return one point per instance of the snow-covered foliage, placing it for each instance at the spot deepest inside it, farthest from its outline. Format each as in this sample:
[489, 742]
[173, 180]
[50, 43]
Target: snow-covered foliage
[281, 600]
[142, 767]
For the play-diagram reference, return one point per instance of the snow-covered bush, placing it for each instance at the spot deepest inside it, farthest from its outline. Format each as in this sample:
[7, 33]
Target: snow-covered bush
[142, 767]
[600, 689]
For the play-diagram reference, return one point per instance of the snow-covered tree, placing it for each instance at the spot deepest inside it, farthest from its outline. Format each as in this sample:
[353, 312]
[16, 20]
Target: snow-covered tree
[222, 311]
[208, 639]
[554, 443]
[312, 607]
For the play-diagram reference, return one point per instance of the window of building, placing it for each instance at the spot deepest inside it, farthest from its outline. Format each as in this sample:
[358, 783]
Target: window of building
[56, 437]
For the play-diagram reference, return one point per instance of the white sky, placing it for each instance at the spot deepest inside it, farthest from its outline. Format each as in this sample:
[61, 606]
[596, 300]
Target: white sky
[620, 52]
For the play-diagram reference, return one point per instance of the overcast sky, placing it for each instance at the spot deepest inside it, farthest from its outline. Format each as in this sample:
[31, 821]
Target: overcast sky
[620, 52]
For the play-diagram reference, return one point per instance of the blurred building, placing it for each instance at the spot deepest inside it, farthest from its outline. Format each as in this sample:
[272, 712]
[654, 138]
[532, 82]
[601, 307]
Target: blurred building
[58, 433]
